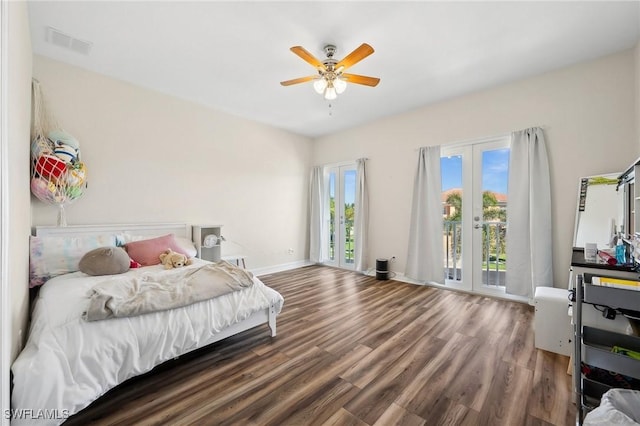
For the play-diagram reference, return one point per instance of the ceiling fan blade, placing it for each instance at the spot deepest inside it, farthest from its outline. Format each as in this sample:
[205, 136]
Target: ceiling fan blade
[304, 54]
[298, 80]
[361, 79]
[356, 56]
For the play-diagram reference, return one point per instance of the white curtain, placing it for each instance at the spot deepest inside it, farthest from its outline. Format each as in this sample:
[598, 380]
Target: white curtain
[425, 260]
[529, 257]
[361, 220]
[316, 217]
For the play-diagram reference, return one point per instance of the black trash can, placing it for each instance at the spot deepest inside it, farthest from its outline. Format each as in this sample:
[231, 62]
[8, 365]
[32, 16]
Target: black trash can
[382, 269]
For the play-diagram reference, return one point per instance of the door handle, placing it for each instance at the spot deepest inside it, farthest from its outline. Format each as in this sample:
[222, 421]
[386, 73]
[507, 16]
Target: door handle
[477, 226]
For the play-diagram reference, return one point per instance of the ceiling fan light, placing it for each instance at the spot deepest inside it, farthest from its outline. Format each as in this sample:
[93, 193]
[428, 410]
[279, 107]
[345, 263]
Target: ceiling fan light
[330, 94]
[340, 85]
[319, 84]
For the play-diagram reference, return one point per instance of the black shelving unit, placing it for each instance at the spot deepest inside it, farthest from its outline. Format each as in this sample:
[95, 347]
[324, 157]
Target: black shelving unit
[593, 345]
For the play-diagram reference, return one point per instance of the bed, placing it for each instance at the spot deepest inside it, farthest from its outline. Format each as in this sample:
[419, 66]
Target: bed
[68, 362]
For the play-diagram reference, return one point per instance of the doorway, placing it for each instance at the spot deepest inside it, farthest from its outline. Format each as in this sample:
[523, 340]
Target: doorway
[475, 196]
[340, 204]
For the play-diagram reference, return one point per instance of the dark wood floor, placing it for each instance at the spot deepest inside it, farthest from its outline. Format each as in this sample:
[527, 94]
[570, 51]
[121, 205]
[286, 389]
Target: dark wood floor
[351, 350]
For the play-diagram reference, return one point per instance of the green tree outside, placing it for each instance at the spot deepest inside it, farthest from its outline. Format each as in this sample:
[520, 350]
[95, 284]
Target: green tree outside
[491, 212]
[349, 216]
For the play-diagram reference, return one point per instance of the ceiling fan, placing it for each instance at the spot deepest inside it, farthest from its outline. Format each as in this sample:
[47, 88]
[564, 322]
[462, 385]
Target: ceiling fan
[331, 79]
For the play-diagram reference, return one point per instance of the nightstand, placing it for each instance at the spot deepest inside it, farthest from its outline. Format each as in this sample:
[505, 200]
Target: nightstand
[208, 248]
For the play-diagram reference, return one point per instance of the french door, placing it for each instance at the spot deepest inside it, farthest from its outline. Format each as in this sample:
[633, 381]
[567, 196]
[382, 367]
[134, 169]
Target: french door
[340, 204]
[475, 195]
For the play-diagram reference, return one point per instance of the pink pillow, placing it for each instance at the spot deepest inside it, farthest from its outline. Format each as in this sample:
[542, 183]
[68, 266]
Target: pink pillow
[147, 252]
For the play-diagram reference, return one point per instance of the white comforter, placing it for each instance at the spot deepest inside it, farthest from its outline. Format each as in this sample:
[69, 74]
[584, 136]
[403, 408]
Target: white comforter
[68, 362]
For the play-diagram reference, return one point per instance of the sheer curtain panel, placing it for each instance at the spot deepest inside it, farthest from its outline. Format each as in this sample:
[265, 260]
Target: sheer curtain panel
[361, 220]
[425, 260]
[529, 249]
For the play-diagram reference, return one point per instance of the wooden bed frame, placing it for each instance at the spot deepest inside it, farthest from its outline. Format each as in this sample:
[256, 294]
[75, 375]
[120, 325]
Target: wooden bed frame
[267, 316]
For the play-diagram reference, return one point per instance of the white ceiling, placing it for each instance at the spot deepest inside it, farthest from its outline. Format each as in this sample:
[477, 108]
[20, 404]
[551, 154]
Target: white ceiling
[231, 56]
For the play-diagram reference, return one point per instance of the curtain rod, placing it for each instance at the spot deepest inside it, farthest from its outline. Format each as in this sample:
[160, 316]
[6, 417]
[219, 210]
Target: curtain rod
[341, 163]
[481, 139]
[475, 140]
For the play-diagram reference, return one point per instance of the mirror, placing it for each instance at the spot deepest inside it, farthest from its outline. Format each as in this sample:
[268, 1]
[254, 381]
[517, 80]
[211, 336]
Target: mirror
[600, 211]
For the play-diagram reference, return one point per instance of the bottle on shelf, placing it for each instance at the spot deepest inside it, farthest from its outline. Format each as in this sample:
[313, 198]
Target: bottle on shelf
[621, 255]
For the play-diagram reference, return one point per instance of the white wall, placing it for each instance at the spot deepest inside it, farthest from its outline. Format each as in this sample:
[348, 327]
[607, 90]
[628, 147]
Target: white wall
[19, 219]
[587, 112]
[157, 158]
[15, 218]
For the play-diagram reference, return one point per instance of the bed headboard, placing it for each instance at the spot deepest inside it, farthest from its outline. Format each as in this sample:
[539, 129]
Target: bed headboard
[146, 229]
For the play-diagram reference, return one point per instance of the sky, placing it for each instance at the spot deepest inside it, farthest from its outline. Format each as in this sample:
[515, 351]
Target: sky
[349, 186]
[495, 171]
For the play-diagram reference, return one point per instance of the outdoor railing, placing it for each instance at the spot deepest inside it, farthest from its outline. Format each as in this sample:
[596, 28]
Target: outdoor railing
[348, 242]
[453, 250]
[494, 259]
[494, 256]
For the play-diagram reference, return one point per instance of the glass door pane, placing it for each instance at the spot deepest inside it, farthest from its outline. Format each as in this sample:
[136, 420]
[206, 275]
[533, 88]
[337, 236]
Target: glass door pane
[451, 168]
[332, 217]
[491, 166]
[348, 189]
[341, 198]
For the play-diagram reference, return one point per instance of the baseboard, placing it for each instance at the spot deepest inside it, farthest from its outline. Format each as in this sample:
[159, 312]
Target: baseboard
[282, 267]
[397, 276]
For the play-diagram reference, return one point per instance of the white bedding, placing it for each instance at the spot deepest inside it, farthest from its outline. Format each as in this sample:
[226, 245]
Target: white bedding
[68, 362]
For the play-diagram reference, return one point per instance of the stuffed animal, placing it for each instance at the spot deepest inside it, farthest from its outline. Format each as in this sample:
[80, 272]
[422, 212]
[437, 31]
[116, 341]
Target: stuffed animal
[171, 259]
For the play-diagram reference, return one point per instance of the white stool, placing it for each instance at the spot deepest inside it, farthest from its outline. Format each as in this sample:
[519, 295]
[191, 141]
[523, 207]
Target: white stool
[237, 258]
[552, 323]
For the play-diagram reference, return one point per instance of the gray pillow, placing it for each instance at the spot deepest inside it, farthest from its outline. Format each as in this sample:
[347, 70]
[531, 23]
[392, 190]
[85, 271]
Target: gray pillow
[105, 261]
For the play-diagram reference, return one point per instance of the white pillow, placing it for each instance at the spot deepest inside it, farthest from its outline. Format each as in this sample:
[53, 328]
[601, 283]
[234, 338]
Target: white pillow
[53, 256]
[187, 245]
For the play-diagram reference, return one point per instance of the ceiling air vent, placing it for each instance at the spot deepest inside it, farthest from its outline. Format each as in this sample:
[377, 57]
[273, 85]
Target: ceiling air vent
[61, 39]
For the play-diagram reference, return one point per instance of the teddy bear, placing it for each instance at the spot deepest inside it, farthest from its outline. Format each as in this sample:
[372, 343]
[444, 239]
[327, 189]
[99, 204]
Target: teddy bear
[171, 259]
